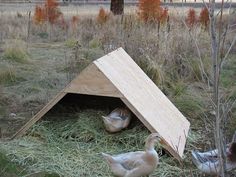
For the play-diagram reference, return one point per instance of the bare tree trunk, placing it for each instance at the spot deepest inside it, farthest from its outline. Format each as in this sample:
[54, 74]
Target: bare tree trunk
[219, 138]
[117, 7]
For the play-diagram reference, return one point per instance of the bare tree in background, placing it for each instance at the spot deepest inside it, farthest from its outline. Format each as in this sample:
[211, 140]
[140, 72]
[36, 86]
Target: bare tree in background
[117, 7]
[219, 53]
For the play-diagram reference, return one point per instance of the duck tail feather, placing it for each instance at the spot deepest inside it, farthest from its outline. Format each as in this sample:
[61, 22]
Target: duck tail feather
[104, 117]
[195, 158]
[108, 157]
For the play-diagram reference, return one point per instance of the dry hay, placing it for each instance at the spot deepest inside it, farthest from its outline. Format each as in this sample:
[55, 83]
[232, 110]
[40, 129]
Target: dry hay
[72, 147]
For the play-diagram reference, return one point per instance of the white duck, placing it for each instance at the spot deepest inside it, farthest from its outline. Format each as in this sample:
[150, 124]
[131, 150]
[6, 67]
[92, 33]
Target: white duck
[117, 120]
[135, 164]
[208, 162]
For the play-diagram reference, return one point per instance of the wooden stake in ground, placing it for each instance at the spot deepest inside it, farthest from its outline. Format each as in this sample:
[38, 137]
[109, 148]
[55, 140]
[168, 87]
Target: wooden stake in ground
[117, 7]
[28, 29]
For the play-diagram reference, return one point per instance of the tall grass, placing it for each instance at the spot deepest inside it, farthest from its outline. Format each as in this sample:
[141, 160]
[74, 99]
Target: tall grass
[7, 76]
[15, 50]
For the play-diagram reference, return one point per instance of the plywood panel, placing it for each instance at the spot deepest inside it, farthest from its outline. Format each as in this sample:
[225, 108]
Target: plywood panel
[152, 107]
[92, 81]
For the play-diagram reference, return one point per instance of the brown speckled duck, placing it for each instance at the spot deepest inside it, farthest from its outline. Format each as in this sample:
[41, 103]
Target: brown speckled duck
[135, 164]
[117, 120]
[207, 162]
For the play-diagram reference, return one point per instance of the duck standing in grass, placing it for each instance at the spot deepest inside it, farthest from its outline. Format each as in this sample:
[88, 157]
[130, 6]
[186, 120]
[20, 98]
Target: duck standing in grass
[135, 164]
[208, 162]
[117, 120]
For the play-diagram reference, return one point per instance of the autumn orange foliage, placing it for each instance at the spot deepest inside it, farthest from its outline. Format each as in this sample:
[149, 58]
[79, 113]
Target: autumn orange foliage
[39, 15]
[164, 15]
[103, 16]
[191, 19]
[48, 12]
[151, 11]
[74, 22]
[75, 19]
[62, 23]
[52, 11]
[204, 17]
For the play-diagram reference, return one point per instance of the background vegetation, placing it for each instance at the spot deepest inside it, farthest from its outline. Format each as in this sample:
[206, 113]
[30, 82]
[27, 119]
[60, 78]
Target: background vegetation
[40, 53]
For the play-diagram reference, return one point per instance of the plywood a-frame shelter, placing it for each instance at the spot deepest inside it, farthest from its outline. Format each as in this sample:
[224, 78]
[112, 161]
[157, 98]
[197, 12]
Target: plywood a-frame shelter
[117, 75]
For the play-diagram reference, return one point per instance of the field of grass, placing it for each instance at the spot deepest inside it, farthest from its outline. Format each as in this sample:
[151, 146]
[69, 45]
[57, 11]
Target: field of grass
[35, 66]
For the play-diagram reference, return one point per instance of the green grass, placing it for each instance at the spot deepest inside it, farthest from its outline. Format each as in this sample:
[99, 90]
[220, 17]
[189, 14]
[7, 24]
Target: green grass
[189, 105]
[7, 168]
[16, 55]
[228, 75]
[11, 169]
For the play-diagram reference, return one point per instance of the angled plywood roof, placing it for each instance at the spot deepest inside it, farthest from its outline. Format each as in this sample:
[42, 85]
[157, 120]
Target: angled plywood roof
[117, 75]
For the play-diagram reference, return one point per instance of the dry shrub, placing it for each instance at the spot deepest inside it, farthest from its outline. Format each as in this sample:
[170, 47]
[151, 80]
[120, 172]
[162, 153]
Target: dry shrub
[15, 50]
[15, 54]
[63, 23]
[74, 22]
[48, 12]
[164, 15]
[71, 43]
[103, 16]
[151, 11]
[13, 27]
[39, 15]
[7, 75]
[191, 19]
[52, 10]
[204, 17]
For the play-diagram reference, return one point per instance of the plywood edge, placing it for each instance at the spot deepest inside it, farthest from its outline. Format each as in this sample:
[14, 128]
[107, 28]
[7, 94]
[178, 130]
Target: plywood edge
[39, 115]
[173, 152]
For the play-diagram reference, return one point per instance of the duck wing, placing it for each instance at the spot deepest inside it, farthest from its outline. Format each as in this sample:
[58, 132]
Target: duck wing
[115, 122]
[115, 113]
[116, 167]
[122, 113]
[206, 158]
[205, 162]
[130, 160]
